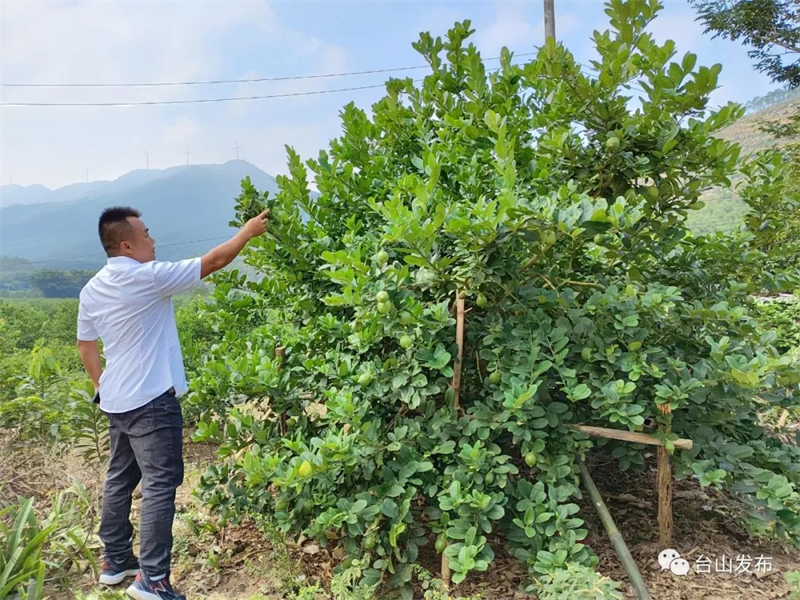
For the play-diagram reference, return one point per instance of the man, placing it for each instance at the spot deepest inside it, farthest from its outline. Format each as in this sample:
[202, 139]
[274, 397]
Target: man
[128, 305]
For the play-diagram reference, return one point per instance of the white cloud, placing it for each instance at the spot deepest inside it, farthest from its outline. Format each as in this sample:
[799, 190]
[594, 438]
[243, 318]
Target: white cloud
[510, 29]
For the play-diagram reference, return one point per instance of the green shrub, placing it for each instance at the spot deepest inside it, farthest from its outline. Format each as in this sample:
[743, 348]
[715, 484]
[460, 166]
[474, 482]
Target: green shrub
[559, 214]
[575, 582]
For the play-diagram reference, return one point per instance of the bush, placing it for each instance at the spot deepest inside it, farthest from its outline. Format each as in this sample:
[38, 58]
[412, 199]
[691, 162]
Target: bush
[575, 582]
[559, 214]
[782, 316]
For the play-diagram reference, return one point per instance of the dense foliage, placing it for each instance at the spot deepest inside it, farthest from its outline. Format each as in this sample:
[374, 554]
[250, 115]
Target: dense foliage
[556, 203]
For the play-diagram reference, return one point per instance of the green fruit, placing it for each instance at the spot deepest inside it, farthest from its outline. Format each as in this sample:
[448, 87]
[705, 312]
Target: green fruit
[382, 257]
[441, 544]
[612, 142]
[305, 469]
[406, 341]
[495, 377]
[489, 478]
[586, 353]
[652, 191]
[598, 238]
[384, 307]
[405, 317]
[482, 301]
[364, 379]
[382, 296]
[635, 345]
[530, 459]
[369, 541]
[281, 505]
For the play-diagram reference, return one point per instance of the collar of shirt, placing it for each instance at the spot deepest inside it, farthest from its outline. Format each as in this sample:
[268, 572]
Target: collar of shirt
[122, 260]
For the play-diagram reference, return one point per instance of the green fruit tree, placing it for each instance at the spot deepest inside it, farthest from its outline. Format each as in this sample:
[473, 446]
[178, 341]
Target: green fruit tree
[596, 305]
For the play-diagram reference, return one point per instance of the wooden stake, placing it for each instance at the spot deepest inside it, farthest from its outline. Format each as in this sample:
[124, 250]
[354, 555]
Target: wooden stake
[459, 310]
[664, 480]
[664, 498]
[460, 343]
[280, 354]
[445, 571]
[784, 417]
[629, 436]
[614, 535]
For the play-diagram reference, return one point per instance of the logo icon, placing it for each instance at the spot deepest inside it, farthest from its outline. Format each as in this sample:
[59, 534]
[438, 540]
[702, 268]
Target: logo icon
[670, 559]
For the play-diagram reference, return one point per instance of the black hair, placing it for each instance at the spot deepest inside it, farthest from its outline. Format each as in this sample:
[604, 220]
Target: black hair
[114, 227]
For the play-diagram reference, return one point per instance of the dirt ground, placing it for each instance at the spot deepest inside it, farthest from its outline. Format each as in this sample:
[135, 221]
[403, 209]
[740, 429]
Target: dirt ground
[238, 563]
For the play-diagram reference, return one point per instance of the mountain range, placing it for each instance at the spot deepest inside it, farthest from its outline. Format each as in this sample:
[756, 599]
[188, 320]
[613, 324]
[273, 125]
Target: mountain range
[187, 210]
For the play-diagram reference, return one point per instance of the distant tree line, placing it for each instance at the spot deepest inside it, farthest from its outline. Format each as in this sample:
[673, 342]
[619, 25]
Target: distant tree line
[18, 277]
[767, 100]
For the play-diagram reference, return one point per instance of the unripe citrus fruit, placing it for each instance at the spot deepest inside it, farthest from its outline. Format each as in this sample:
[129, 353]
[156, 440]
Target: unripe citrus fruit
[305, 469]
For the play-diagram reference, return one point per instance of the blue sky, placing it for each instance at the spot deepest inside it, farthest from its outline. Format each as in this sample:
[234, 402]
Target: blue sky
[77, 42]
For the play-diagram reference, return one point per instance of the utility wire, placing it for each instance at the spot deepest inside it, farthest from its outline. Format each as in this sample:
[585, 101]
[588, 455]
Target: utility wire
[208, 100]
[227, 99]
[95, 254]
[198, 101]
[230, 81]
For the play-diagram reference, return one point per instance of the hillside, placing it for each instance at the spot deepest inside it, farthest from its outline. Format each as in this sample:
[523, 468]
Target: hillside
[724, 210]
[191, 203]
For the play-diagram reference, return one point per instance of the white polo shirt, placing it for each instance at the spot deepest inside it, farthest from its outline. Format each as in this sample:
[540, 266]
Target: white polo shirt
[128, 305]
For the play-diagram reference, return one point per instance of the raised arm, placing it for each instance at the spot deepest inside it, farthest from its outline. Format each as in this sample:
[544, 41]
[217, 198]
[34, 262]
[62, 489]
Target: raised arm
[222, 255]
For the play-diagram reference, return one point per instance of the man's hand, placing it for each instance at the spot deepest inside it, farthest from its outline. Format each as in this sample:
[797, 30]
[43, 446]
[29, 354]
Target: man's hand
[257, 225]
[90, 356]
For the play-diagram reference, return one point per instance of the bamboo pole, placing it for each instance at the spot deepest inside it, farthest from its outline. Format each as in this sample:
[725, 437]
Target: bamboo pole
[617, 540]
[460, 343]
[784, 417]
[629, 436]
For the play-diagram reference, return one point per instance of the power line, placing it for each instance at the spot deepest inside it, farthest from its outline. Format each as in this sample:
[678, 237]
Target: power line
[217, 100]
[95, 254]
[198, 101]
[206, 100]
[230, 81]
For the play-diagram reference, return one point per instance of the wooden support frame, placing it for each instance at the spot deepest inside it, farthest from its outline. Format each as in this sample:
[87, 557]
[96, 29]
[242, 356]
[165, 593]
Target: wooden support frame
[664, 475]
[630, 436]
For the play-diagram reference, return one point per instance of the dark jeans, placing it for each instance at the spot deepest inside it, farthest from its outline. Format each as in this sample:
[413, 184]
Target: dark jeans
[146, 446]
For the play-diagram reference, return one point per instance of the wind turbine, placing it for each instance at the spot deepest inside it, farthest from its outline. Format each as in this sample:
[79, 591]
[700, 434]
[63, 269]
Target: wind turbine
[187, 153]
[237, 148]
[147, 156]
